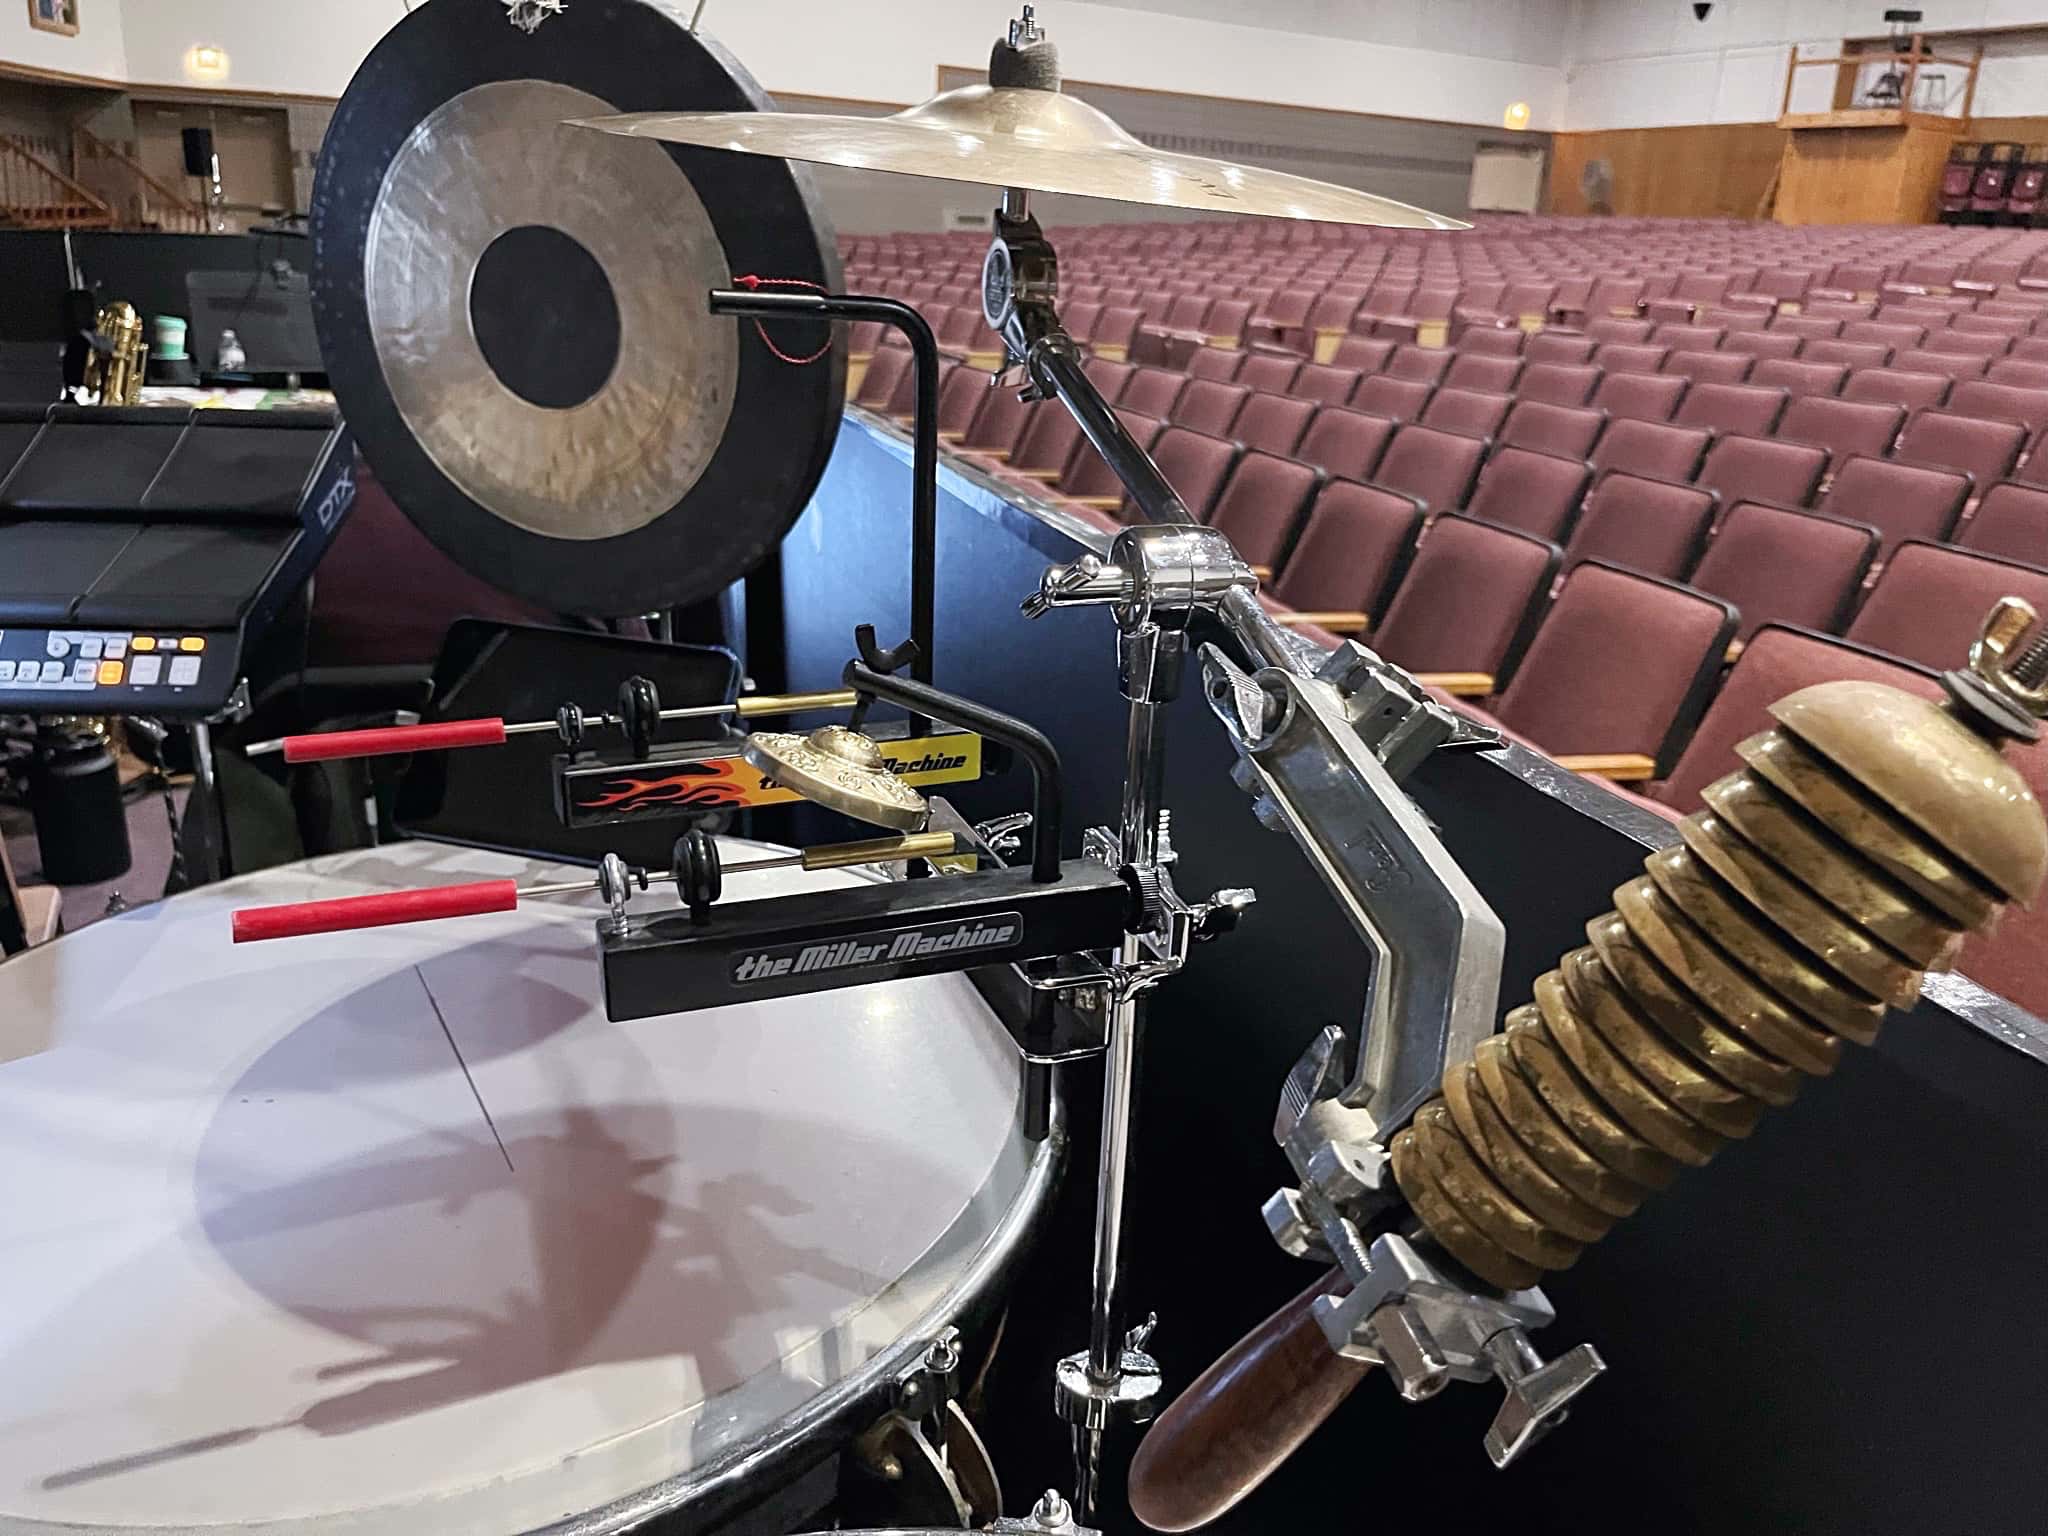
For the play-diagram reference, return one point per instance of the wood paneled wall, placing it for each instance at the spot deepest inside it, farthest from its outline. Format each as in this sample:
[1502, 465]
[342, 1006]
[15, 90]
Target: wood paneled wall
[1714, 170]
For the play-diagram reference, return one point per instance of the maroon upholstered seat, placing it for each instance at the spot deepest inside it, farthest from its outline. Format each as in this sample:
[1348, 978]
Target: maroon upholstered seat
[1743, 468]
[1641, 396]
[1559, 383]
[1559, 347]
[1565, 429]
[1842, 427]
[1985, 450]
[1606, 328]
[1631, 357]
[1326, 385]
[1472, 411]
[1109, 377]
[1345, 444]
[1001, 422]
[1153, 390]
[885, 369]
[1798, 377]
[1850, 354]
[1653, 448]
[1895, 386]
[1368, 354]
[1217, 363]
[1902, 501]
[2011, 520]
[1778, 565]
[1354, 546]
[1710, 367]
[1434, 466]
[1208, 405]
[1894, 334]
[1774, 342]
[1272, 423]
[1384, 395]
[1689, 338]
[1116, 329]
[1469, 599]
[1482, 371]
[1425, 365]
[2000, 402]
[1492, 341]
[1269, 371]
[1946, 365]
[1087, 475]
[1657, 526]
[1731, 407]
[1931, 599]
[1195, 465]
[1654, 648]
[1534, 492]
[1961, 343]
[1261, 509]
[2019, 372]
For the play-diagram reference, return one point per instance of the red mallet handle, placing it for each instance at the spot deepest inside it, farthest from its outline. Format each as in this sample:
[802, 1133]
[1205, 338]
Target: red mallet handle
[386, 907]
[323, 745]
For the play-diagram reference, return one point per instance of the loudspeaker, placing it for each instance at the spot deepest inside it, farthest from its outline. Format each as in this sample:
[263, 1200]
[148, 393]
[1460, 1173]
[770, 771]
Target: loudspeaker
[198, 151]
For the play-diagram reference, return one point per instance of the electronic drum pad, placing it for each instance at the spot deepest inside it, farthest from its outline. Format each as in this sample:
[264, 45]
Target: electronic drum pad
[512, 311]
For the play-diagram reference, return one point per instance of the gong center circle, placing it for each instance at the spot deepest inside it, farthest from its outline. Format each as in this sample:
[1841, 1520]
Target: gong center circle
[544, 316]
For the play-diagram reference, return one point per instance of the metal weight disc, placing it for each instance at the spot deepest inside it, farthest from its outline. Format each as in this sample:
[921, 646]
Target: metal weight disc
[512, 310]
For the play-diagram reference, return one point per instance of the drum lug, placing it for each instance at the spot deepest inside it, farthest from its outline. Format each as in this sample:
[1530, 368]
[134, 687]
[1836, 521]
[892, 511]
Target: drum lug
[925, 1452]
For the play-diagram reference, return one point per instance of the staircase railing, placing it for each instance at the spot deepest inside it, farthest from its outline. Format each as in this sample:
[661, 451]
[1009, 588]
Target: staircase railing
[36, 195]
[138, 199]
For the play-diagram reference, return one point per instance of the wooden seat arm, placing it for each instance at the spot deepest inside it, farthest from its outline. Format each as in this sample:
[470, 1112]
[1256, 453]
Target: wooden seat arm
[1460, 685]
[1621, 767]
[1335, 623]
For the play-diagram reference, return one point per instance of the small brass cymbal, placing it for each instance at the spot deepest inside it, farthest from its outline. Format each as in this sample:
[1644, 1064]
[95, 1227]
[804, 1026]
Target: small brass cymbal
[1923, 762]
[1486, 1205]
[1486, 1130]
[1824, 933]
[1449, 1226]
[1598, 1185]
[1736, 997]
[1688, 1025]
[1625, 1091]
[841, 770]
[1763, 950]
[1849, 883]
[1848, 811]
[1557, 1080]
[1677, 1078]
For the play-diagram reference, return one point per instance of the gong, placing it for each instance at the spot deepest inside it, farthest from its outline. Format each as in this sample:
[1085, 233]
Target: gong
[513, 317]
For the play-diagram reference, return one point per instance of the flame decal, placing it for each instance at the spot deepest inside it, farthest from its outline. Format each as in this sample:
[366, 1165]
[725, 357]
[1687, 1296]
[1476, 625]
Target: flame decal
[710, 783]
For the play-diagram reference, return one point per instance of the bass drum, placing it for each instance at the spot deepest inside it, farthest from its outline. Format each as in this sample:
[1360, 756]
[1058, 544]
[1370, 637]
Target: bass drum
[392, 1231]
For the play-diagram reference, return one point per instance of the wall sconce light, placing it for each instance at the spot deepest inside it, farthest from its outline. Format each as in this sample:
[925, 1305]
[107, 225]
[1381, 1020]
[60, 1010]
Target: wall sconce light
[206, 63]
[1516, 116]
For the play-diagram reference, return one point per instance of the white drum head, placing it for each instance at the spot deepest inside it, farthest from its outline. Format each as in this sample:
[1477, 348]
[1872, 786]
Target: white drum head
[393, 1231]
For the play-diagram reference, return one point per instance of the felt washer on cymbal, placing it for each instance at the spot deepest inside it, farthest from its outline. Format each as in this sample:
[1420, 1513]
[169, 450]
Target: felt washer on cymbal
[841, 770]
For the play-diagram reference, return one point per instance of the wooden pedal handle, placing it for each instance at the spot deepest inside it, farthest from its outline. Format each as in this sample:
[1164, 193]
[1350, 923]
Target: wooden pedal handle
[1241, 1418]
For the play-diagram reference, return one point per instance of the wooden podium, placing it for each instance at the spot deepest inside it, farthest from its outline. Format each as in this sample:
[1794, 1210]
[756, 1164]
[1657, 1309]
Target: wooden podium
[1873, 164]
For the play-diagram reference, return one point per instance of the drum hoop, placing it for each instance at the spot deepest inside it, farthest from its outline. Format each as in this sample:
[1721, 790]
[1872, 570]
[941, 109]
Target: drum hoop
[823, 1424]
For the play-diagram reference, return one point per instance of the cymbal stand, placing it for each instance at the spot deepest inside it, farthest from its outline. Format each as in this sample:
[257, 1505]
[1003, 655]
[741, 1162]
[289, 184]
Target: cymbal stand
[1324, 739]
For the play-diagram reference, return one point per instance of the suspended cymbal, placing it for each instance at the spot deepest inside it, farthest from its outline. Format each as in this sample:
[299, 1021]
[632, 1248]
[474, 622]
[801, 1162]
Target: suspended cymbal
[842, 770]
[1015, 136]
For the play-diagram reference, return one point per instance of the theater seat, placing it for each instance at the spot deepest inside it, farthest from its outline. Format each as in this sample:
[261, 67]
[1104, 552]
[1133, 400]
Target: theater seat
[1261, 509]
[1654, 646]
[2011, 520]
[1931, 598]
[1655, 526]
[1903, 501]
[1353, 548]
[1468, 602]
[1345, 444]
[1779, 565]
[1537, 493]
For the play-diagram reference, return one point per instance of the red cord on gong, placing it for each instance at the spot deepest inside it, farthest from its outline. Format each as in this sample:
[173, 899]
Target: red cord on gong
[750, 281]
